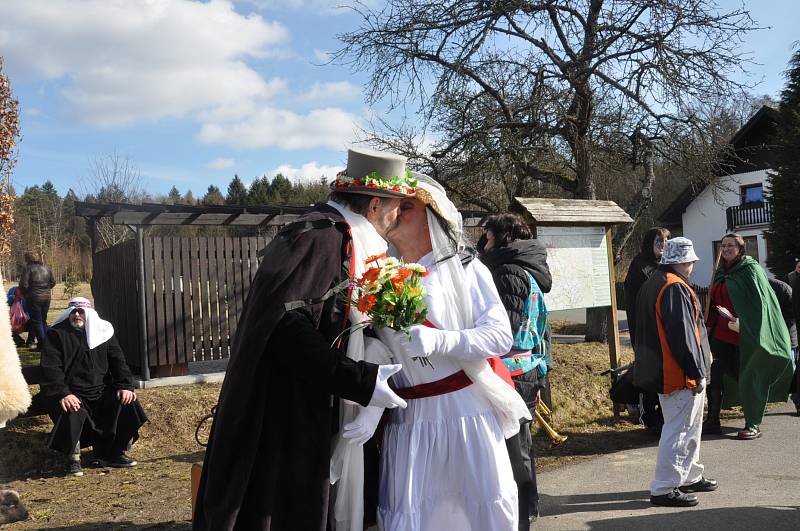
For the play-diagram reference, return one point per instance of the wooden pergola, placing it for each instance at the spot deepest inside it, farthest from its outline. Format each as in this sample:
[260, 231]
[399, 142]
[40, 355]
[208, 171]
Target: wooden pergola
[175, 300]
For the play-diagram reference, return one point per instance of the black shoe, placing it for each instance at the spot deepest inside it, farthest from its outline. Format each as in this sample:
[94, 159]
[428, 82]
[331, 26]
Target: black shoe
[704, 485]
[675, 499]
[712, 427]
[121, 461]
[74, 468]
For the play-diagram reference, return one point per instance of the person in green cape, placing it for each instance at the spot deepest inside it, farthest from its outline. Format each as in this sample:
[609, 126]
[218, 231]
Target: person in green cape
[749, 340]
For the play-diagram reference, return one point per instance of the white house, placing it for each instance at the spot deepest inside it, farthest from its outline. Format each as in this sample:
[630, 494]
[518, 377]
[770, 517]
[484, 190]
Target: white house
[735, 203]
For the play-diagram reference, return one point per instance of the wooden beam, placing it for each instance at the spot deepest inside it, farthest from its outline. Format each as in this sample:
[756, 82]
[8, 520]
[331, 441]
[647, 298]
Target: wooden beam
[613, 326]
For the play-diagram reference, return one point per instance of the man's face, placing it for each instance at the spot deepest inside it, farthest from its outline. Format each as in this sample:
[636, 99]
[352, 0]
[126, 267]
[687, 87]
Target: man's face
[77, 318]
[412, 223]
[382, 214]
[685, 269]
[797, 267]
[490, 240]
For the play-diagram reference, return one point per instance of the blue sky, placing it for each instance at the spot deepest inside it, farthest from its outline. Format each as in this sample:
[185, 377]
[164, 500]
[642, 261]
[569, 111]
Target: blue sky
[194, 92]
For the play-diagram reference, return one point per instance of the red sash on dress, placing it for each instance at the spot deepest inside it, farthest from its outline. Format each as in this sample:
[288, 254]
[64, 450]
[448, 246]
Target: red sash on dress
[455, 382]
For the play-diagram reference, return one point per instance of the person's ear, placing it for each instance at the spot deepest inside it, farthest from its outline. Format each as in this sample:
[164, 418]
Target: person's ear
[374, 205]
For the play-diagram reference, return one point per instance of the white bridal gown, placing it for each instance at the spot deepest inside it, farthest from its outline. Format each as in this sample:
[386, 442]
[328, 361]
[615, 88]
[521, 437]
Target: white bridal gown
[444, 463]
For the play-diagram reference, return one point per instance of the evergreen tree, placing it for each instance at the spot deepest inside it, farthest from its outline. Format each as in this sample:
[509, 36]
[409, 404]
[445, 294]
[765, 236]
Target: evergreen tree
[281, 189]
[259, 193]
[213, 196]
[237, 193]
[174, 196]
[188, 198]
[783, 242]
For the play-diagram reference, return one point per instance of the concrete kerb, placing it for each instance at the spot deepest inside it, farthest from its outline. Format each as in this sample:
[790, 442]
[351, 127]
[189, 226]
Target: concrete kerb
[188, 379]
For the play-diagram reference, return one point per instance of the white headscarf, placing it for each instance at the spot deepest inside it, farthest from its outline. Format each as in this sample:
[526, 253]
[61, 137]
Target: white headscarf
[98, 331]
[347, 461]
[447, 243]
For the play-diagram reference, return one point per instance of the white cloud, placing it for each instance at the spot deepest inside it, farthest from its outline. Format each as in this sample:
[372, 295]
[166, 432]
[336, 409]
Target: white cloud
[326, 7]
[220, 163]
[322, 56]
[270, 127]
[123, 61]
[310, 171]
[332, 91]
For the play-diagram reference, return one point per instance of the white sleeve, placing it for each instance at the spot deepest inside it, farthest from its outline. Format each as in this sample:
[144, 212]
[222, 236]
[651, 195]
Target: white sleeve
[491, 334]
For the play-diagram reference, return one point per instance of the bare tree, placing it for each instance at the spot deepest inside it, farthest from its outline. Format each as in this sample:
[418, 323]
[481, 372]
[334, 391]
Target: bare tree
[113, 178]
[518, 93]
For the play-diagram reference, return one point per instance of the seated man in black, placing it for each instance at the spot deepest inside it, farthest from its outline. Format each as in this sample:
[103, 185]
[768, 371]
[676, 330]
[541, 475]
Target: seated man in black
[88, 389]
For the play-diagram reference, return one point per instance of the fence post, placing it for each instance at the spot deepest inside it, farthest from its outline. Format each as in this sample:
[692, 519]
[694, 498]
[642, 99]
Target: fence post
[145, 362]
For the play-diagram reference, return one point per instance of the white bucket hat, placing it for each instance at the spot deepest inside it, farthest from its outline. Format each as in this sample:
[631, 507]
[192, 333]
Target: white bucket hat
[678, 250]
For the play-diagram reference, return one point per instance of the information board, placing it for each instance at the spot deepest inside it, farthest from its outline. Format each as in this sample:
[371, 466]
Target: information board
[578, 261]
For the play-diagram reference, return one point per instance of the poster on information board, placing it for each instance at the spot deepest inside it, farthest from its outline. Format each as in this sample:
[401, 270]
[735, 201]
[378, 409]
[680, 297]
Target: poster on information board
[578, 261]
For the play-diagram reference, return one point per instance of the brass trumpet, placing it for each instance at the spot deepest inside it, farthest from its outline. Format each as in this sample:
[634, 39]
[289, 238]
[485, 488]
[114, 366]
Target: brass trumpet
[555, 438]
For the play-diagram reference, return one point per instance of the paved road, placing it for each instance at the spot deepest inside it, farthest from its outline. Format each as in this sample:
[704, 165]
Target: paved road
[759, 486]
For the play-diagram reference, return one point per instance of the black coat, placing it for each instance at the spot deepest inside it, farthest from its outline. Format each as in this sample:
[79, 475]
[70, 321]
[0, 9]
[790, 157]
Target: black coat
[509, 265]
[268, 458]
[794, 282]
[784, 293]
[641, 268]
[70, 367]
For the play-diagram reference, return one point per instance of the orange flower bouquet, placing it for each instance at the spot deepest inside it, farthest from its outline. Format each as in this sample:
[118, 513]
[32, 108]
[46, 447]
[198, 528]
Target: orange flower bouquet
[390, 292]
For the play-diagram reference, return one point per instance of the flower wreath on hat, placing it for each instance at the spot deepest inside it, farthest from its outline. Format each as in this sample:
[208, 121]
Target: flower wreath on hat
[405, 184]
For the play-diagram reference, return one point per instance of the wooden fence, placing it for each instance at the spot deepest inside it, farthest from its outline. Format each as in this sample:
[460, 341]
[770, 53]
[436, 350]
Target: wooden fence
[195, 288]
[115, 295]
[701, 292]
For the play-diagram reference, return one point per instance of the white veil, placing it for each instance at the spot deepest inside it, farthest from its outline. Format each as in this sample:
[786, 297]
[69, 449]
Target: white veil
[447, 244]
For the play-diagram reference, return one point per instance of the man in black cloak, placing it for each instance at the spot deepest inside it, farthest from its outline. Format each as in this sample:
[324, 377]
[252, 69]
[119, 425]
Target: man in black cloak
[267, 463]
[87, 389]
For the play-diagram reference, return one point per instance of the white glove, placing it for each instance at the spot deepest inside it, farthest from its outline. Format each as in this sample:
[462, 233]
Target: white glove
[361, 429]
[383, 396]
[424, 341]
[734, 325]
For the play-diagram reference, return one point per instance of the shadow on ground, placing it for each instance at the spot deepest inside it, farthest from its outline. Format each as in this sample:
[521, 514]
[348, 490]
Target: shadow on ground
[581, 503]
[733, 518]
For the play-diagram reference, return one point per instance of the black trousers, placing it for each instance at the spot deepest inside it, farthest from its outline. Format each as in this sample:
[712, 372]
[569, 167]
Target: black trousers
[521, 450]
[726, 361]
[37, 309]
[104, 424]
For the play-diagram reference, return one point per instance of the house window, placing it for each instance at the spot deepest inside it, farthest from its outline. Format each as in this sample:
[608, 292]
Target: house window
[750, 247]
[752, 193]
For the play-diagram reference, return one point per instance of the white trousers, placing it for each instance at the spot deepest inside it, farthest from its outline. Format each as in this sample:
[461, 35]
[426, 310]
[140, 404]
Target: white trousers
[679, 446]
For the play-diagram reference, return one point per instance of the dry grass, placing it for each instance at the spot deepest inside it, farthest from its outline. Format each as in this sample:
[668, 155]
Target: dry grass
[155, 494]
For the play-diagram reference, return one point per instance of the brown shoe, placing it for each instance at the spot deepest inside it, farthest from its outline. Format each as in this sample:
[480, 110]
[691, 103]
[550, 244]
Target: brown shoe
[749, 433]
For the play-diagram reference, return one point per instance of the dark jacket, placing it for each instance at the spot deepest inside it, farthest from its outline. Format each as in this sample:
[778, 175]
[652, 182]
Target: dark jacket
[36, 282]
[508, 266]
[784, 294]
[642, 266]
[70, 367]
[671, 348]
[267, 463]
[794, 282]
